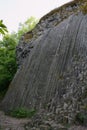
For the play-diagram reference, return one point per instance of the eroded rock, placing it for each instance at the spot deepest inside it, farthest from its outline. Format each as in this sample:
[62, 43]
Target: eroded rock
[53, 77]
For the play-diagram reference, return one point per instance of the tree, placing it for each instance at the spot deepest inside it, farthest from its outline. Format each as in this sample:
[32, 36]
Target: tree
[3, 28]
[8, 65]
[28, 25]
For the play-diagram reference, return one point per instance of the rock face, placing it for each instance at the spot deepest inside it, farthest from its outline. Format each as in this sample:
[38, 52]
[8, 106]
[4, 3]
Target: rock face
[47, 22]
[53, 76]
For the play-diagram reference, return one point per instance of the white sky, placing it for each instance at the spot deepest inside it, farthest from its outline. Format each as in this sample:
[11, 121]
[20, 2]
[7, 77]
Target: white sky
[12, 12]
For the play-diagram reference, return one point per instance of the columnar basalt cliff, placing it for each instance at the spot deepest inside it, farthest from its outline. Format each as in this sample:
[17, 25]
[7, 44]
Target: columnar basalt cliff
[47, 22]
[53, 71]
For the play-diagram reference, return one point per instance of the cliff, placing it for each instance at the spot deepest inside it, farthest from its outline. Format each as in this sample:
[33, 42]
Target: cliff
[50, 20]
[53, 66]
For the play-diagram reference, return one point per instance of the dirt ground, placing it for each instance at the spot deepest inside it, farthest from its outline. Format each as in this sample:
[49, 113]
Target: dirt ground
[10, 123]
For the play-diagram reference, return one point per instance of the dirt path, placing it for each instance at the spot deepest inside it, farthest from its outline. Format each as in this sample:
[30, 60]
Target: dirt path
[9, 123]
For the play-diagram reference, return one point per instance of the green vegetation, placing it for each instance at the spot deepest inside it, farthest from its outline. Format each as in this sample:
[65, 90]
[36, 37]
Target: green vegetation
[8, 66]
[3, 28]
[28, 25]
[22, 113]
[2, 93]
[84, 8]
[81, 117]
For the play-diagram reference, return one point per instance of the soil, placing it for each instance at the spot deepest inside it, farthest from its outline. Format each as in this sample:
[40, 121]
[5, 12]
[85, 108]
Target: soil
[10, 123]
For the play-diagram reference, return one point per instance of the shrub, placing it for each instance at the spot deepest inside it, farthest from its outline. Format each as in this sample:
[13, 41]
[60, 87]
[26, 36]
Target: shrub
[22, 113]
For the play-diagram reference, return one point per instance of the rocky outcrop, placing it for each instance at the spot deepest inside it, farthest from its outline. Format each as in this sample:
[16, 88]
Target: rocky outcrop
[51, 20]
[53, 77]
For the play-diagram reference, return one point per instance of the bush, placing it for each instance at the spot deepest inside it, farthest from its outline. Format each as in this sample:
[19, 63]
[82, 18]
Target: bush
[22, 113]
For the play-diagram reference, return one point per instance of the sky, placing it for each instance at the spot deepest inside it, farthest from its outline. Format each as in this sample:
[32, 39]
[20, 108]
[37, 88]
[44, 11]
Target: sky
[13, 12]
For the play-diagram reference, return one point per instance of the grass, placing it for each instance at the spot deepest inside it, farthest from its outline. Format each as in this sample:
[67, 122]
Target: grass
[22, 113]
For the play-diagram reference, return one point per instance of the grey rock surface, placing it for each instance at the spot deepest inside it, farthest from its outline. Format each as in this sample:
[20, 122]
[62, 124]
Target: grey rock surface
[54, 75]
[49, 21]
[10, 123]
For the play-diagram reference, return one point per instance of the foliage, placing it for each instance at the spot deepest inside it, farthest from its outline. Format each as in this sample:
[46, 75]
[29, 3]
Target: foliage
[8, 65]
[3, 28]
[28, 25]
[84, 8]
[8, 44]
[22, 113]
[81, 117]
[2, 93]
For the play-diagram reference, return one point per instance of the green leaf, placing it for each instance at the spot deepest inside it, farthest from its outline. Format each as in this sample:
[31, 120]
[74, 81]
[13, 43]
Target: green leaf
[1, 31]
